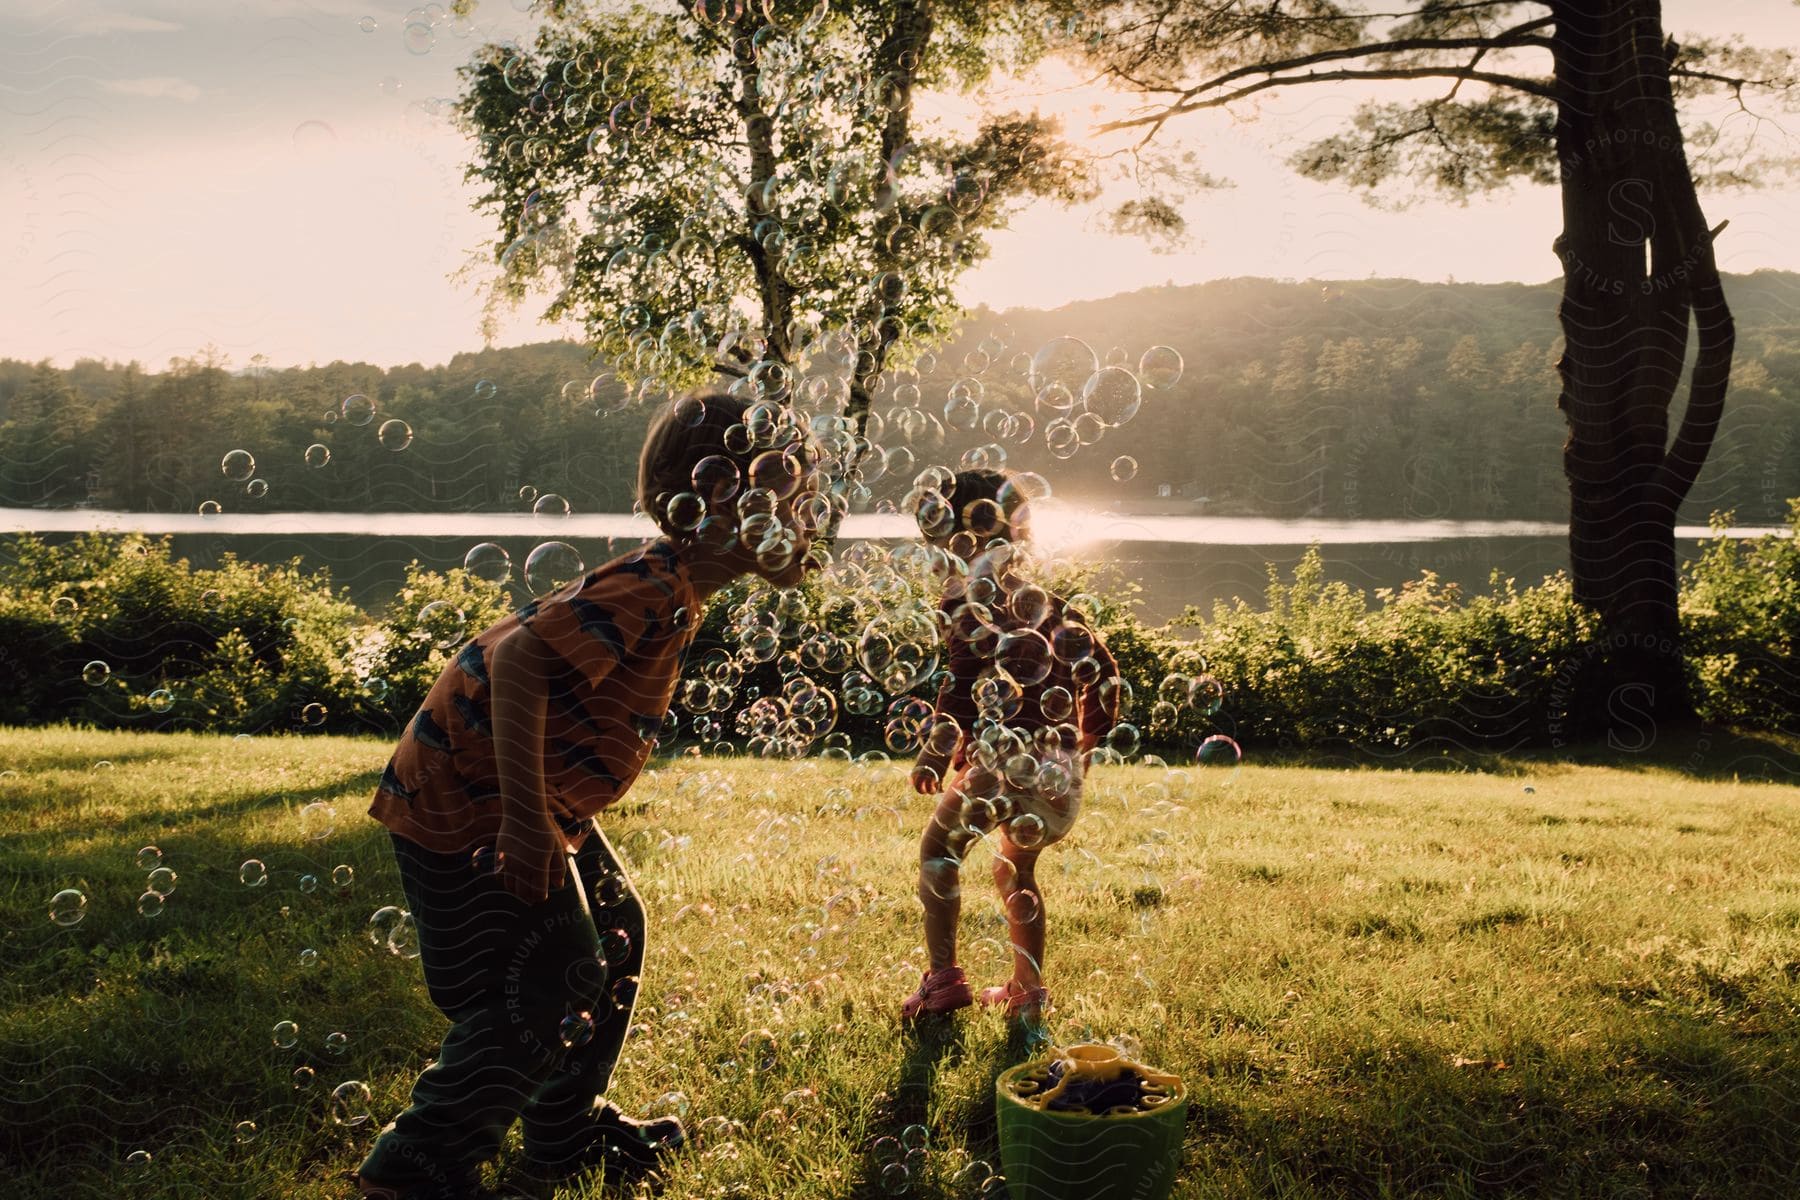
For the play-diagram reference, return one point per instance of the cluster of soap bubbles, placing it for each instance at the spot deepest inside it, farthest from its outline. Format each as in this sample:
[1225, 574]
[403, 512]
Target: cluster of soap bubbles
[239, 466]
[419, 26]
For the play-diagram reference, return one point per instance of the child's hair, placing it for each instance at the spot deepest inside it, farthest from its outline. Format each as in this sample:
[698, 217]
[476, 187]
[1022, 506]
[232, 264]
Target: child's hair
[987, 508]
[679, 437]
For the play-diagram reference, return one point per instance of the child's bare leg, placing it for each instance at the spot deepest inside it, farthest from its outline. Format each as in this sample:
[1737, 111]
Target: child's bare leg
[1015, 875]
[940, 882]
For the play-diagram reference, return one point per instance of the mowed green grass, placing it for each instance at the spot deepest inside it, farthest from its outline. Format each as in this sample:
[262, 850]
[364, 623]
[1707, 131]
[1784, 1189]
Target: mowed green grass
[1542, 979]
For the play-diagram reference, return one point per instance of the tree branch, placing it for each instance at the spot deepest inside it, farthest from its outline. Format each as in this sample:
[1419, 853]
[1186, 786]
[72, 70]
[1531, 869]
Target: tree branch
[1402, 46]
[1156, 120]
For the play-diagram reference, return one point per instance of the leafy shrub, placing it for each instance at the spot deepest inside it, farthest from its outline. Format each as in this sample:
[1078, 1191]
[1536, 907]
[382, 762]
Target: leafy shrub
[245, 647]
[248, 647]
[1740, 625]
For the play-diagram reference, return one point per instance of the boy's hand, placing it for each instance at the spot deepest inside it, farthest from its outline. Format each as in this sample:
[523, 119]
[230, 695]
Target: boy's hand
[531, 859]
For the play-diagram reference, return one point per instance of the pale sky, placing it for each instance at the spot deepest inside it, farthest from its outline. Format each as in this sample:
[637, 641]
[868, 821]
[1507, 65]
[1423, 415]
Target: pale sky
[264, 176]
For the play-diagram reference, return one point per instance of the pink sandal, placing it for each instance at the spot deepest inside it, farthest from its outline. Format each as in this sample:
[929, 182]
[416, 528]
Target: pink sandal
[939, 992]
[1019, 1000]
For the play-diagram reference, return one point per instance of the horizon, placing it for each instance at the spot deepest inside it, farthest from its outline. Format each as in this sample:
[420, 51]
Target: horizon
[971, 314]
[283, 183]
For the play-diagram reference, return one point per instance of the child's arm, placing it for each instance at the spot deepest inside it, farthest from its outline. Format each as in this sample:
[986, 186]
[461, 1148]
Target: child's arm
[531, 848]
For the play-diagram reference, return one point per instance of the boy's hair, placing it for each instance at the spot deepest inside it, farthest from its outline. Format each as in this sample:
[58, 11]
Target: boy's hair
[680, 435]
[969, 489]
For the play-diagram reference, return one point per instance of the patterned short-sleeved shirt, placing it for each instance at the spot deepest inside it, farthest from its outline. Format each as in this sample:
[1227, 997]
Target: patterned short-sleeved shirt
[621, 633]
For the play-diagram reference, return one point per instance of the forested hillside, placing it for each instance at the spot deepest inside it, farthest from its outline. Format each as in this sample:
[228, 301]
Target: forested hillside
[1376, 398]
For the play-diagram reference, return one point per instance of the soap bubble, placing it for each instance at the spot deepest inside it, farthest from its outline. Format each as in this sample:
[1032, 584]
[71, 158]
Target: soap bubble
[1064, 362]
[686, 511]
[914, 1137]
[286, 1035]
[670, 1104]
[1023, 906]
[150, 904]
[1219, 751]
[318, 820]
[716, 479]
[442, 623]
[367, 25]
[137, 1160]
[256, 489]
[382, 923]
[1160, 367]
[160, 881]
[253, 873]
[337, 1042]
[395, 434]
[485, 389]
[1124, 739]
[404, 939]
[309, 884]
[900, 648]
[350, 1103]
[1124, 468]
[303, 1078]
[358, 409]
[611, 890]
[1072, 641]
[343, 875]
[759, 1049]
[161, 700]
[615, 946]
[67, 907]
[577, 1029]
[942, 877]
[1025, 655]
[238, 465]
[1206, 694]
[1026, 831]
[418, 37]
[550, 505]
[244, 1132]
[488, 562]
[1113, 395]
[551, 565]
[149, 858]
[317, 455]
[95, 673]
[895, 1178]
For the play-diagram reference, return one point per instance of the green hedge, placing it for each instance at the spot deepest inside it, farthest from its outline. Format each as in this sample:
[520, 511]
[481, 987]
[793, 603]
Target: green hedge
[272, 648]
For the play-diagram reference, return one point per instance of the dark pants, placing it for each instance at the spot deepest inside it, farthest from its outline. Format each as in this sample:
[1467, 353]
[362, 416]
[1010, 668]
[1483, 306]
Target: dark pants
[509, 976]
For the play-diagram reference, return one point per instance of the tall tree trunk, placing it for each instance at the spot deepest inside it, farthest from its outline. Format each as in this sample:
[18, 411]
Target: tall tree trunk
[1637, 262]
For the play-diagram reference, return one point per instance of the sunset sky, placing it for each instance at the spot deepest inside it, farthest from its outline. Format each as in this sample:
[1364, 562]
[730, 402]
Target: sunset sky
[266, 177]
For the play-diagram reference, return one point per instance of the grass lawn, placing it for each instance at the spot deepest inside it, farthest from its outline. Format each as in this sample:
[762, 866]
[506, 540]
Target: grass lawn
[1536, 979]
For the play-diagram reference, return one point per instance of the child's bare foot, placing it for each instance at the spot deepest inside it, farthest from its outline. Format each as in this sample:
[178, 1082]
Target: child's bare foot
[941, 991]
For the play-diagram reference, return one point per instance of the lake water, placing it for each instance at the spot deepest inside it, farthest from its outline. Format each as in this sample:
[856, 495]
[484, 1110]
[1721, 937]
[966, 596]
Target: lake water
[1177, 560]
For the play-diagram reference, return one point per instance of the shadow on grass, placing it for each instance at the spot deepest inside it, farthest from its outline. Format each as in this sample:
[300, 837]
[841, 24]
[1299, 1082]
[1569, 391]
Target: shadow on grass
[145, 751]
[44, 853]
[929, 1042]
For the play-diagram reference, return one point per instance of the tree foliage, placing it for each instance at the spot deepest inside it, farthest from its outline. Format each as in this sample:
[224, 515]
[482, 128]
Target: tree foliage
[753, 182]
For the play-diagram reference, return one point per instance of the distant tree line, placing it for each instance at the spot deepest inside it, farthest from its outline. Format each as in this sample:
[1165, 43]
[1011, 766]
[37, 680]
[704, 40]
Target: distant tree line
[1369, 399]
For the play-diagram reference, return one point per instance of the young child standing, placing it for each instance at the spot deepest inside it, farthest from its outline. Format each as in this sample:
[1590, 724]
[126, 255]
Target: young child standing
[537, 725]
[1016, 722]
